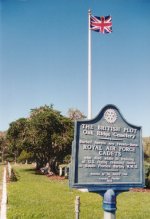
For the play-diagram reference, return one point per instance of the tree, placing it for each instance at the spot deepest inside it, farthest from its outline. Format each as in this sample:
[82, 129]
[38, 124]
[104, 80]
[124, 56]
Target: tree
[46, 136]
[75, 114]
[50, 136]
[16, 136]
[3, 146]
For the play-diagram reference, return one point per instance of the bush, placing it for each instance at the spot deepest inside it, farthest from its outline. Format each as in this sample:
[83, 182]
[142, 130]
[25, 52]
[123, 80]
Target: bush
[13, 177]
[25, 156]
[148, 160]
[147, 175]
[11, 174]
[67, 159]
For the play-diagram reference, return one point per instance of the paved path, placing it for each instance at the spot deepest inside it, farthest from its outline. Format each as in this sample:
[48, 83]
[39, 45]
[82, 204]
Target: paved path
[4, 197]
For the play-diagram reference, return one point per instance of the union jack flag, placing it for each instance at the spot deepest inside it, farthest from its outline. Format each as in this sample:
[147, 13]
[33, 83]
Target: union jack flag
[101, 24]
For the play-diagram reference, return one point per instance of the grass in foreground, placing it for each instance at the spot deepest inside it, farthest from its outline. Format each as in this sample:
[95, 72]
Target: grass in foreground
[36, 196]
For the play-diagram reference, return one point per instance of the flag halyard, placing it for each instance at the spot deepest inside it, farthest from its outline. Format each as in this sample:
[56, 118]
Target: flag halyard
[101, 24]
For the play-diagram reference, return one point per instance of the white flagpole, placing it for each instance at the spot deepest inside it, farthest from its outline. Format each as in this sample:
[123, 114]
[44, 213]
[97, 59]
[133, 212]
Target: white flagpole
[89, 69]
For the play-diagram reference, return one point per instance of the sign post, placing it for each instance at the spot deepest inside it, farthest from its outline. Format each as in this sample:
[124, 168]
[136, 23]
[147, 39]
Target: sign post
[107, 157]
[109, 204]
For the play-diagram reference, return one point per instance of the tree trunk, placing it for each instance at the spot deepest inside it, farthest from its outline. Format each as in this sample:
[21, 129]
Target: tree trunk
[52, 165]
[39, 164]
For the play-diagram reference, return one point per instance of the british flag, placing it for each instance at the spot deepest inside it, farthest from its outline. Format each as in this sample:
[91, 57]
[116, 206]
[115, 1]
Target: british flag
[101, 24]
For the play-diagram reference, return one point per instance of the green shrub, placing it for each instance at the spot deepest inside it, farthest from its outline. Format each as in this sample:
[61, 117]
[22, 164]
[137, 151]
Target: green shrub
[147, 175]
[25, 156]
[13, 176]
[67, 159]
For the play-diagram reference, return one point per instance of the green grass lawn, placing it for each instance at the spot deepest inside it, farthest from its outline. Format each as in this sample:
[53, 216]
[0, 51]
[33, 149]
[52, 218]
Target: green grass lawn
[36, 196]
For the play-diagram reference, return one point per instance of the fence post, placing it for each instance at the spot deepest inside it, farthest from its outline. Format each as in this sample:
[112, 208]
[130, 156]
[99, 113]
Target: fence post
[77, 207]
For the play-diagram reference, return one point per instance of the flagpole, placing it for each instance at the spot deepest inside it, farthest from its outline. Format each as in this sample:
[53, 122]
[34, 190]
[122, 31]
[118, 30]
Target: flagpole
[89, 69]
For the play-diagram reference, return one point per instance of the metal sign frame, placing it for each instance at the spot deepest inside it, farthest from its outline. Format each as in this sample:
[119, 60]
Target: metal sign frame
[109, 127]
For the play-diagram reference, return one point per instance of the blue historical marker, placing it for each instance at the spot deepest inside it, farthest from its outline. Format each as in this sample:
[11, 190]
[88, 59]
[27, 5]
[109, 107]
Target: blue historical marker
[107, 154]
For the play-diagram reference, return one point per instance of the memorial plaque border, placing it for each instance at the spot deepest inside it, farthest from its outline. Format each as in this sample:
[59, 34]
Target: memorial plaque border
[97, 187]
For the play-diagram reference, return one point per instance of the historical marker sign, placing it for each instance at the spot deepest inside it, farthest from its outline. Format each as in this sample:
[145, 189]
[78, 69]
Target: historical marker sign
[107, 152]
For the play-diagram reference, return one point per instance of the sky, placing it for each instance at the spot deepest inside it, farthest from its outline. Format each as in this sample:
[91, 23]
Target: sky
[44, 58]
